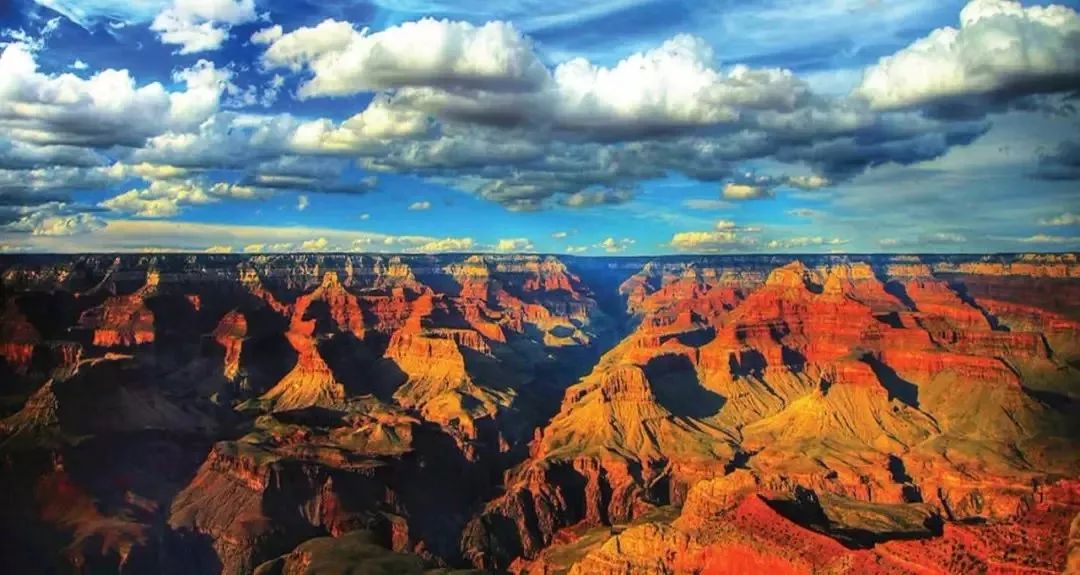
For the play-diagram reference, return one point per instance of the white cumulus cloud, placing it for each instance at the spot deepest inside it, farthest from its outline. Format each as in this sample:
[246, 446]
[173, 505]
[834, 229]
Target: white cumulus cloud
[165, 198]
[201, 25]
[514, 245]
[1000, 48]
[612, 245]
[343, 60]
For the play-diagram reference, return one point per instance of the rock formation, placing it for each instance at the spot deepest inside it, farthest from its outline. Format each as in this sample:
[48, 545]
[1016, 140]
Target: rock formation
[283, 413]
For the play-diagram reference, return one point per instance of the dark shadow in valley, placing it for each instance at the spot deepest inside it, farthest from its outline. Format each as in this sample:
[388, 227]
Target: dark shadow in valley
[961, 291]
[793, 360]
[898, 387]
[698, 337]
[898, 471]
[349, 361]
[441, 283]
[50, 313]
[805, 509]
[1051, 399]
[675, 383]
[265, 360]
[137, 475]
[896, 289]
[891, 319]
[748, 363]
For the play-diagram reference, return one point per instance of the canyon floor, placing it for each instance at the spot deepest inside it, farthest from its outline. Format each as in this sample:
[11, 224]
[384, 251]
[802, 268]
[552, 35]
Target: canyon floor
[354, 413]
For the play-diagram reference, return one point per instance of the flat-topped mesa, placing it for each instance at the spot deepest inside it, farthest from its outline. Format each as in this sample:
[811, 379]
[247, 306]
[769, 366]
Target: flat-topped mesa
[439, 384]
[430, 313]
[779, 320]
[859, 282]
[925, 365]
[395, 274]
[935, 300]
[18, 337]
[687, 288]
[967, 326]
[485, 323]
[1062, 333]
[230, 333]
[531, 289]
[420, 310]
[473, 275]
[710, 498]
[124, 321]
[626, 383]
[427, 354]
[548, 275]
[257, 497]
[708, 290]
[852, 373]
[563, 322]
[1013, 344]
[378, 432]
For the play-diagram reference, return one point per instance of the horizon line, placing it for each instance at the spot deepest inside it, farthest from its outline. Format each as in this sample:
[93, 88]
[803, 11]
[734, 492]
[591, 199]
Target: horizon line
[555, 254]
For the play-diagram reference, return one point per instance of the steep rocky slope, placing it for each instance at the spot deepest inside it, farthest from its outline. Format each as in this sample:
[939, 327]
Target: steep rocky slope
[217, 413]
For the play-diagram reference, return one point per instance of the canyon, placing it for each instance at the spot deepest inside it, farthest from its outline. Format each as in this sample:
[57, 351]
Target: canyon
[537, 414]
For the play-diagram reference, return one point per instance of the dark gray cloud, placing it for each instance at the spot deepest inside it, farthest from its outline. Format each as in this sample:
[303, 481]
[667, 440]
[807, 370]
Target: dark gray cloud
[1063, 163]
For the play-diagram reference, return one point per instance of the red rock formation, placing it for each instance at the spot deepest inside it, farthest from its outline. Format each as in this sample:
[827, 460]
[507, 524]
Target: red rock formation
[548, 275]
[941, 308]
[124, 321]
[744, 534]
[17, 338]
[230, 334]
[438, 383]
[310, 383]
[344, 307]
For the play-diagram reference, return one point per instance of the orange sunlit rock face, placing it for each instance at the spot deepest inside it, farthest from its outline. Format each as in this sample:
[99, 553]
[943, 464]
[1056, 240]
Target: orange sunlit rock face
[526, 414]
[230, 333]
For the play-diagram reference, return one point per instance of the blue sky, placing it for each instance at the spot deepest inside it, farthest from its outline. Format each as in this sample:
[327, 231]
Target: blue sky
[611, 127]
